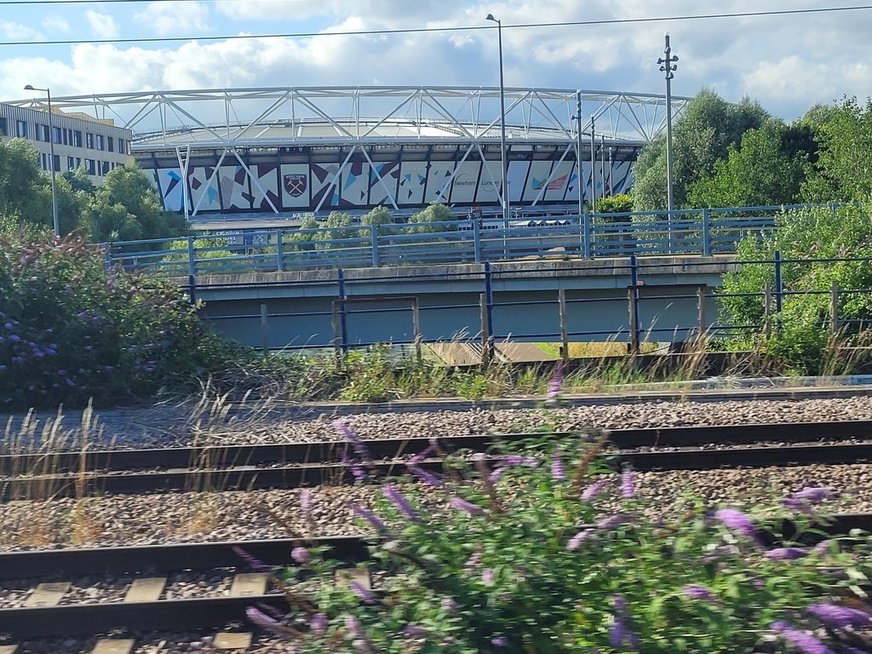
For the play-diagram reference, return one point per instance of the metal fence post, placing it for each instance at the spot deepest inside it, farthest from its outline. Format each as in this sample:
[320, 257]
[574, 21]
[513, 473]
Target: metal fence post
[586, 236]
[564, 327]
[834, 308]
[633, 299]
[779, 289]
[486, 336]
[373, 244]
[343, 318]
[700, 314]
[416, 328]
[706, 235]
[489, 294]
[476, 239]
[280, 251]
[192, 257]
[767, 309]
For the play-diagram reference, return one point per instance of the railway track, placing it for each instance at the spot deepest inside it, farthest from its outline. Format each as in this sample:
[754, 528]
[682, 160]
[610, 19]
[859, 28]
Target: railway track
[248, 467]
[152, 563]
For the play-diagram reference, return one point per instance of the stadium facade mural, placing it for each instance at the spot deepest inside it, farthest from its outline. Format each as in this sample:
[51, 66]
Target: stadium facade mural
[360, 185]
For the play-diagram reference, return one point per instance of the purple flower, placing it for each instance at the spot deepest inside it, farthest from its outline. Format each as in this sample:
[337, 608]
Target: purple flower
[558, 471]
[496, 474]
[369, 516]
[253, 562]
[786, 553]
[414, 631]
[425, 475]
[556, 384]
[318, 624]
[462, 505]
[357, 470]
[354, 626]
[260, 618]
[346, 432]
[513, 460]
[628, 488]
[840, 617]
[427, 451]
[621, 636]
[576, 541]
[448, 604]
[803, 500]
[472, 563]
[499, 641]
[363, 593]
[306, 503]
[801, 640]
[610, 522]
[593, 490]
[401, 503]
[697, 592]
[718, 552]
[737, 521]
[487, 577]
[300, 555]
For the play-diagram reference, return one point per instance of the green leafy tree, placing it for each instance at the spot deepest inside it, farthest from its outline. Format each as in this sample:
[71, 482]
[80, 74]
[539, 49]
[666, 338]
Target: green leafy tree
[379, 215]
[25, 190]
[126, 207]
[843, 171]
[767, 168]
[701, 136]
[434, 213]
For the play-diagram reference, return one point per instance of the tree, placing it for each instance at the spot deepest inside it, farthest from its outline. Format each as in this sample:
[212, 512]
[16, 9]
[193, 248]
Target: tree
[379, 215]
[434, 213]
[843, 171]
[768, 168]
[127, 208]
[709, 126]
[25, 191]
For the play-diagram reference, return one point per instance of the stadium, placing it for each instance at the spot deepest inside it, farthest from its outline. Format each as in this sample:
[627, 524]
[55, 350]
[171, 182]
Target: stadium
[267, 154]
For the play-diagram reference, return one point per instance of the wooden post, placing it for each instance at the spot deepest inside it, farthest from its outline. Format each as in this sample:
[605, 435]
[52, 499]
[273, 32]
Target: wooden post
[416, 328]
[634, 320]
[834, 308]
[564, 327]
[767, 309]
[264, 330]
[486, 342]
[700, 315]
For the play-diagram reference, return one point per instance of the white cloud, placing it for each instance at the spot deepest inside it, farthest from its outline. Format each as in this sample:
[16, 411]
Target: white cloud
[175, 17]
[18, 32]
[103, 26]
[56, 24]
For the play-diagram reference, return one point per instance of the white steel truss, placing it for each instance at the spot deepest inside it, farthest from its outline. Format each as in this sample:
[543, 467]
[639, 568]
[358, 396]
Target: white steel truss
[264, 117]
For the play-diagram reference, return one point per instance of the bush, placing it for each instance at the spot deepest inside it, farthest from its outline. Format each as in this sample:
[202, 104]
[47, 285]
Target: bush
[500, 561]
[71, 330]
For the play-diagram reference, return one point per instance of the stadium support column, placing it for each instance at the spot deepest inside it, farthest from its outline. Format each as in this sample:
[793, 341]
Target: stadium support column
[504, 168]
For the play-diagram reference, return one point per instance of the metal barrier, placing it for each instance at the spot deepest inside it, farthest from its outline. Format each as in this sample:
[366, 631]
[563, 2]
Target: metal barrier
[589, 236]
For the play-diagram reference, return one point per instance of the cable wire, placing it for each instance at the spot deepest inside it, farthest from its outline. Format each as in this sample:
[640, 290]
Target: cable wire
[412, 30]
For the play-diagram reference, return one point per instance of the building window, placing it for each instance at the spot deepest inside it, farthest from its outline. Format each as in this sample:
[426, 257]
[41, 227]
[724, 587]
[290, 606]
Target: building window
[66, 137]
[89, 166]
[58, 137]
[41, 132]
[89, 140]
[57, 162]
[77, 139]
[121, 146]
[21, 129]
[43, 161]
[110, 144]
[105, 167]
[101, 142]
[3, 130]
[78, 162]
[71, 163]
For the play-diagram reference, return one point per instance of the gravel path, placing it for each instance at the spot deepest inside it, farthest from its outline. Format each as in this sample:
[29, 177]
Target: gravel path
[213, 516]
[168, 426]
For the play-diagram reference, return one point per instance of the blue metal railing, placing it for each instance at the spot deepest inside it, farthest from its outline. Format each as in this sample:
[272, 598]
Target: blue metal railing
[590, 236]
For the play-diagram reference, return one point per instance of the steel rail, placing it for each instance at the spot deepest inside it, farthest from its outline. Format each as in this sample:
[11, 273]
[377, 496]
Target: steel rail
[81, 619]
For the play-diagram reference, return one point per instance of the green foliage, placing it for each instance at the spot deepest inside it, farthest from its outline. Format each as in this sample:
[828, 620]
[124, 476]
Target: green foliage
[71, 330]
[379, 215]
[434, 213]
[819, 233]
[126, 208]
[25, 192]
[844, 168]
[622, 203]
[499, 560]
[701, 136]
[768, 168]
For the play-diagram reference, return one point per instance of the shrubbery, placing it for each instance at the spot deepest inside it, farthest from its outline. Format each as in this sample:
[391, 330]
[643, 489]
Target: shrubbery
[70, 330]
[538, 553]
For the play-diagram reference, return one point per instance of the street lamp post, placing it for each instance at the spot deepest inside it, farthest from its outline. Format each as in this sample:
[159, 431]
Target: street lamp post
[54, 197]
[504, 171]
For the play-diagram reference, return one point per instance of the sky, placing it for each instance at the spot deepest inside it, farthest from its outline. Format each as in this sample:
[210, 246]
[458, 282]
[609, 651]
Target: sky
[787, 63]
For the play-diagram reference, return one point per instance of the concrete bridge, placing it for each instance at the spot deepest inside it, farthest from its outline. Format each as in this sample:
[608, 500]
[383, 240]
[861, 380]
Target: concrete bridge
[626, 299]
